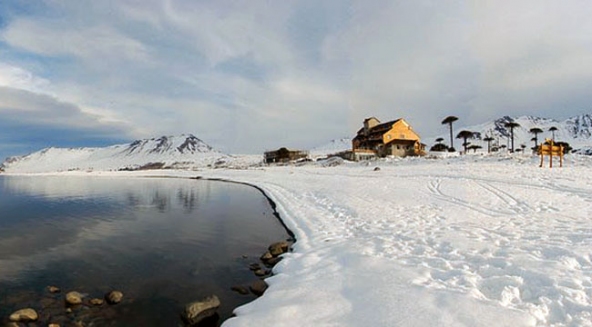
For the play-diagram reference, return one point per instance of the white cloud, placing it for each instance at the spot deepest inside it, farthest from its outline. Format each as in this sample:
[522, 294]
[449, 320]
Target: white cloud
[533, 43]
[96, 43]
[19, 78]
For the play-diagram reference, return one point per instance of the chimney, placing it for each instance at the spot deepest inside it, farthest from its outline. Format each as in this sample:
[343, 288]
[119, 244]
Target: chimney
[369, 123]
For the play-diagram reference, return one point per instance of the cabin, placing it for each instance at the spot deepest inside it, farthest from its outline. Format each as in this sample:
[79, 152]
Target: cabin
[393, 138]
[283, 155]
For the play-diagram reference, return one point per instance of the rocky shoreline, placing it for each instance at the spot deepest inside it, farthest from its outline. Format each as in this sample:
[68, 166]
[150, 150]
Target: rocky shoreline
[74, 308]
[70, 309]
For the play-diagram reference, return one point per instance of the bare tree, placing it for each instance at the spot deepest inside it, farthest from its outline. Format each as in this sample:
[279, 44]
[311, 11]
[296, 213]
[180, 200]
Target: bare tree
[448, 121]
[511, 125]
[536, 131]
[488, 139]
[552, 130]
[465, 135]
[474, 147]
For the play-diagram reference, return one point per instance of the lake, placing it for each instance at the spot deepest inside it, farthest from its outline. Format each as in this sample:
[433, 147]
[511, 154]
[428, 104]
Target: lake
[163, 242]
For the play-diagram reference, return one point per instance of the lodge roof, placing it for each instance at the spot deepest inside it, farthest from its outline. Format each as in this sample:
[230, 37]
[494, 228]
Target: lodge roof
[285, 150]
[378, 128]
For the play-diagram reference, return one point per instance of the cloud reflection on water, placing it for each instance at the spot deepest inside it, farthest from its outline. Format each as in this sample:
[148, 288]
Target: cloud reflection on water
[72, 216]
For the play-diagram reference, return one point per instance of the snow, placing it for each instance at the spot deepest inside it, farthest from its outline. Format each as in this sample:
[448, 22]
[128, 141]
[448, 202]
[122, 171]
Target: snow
[461, 241]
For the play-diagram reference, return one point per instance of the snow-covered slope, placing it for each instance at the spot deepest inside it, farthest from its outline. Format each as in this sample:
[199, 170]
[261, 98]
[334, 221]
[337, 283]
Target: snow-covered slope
[466, 241]
[184, 151]
[334, 146]
[577, 131]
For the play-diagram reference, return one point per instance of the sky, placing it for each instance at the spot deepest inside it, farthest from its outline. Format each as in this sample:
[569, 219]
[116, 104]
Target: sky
[249, 76]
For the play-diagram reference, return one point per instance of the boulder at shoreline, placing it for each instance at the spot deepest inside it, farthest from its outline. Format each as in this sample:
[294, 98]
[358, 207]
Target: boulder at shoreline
[73, 298]
[199, 310]
[114, 297]
[24, 315]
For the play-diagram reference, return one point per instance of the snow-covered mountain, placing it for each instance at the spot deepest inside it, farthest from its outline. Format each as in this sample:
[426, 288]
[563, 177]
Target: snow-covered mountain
[577, 131]
[184, 151]
[334, 146]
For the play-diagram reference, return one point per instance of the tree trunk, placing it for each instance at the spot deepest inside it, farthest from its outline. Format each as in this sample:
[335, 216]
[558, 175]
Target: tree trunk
[451, 138]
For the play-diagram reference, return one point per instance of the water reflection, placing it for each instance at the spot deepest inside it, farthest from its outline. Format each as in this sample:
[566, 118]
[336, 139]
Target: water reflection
[161, 240]
[152, 191]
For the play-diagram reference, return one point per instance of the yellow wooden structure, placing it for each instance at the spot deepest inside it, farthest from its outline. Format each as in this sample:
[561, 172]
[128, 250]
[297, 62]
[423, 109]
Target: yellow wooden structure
[550, 149]
[393, 138]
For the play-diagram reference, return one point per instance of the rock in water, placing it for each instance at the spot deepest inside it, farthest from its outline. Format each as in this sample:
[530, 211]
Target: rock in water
[73, 298]
[278, 248]
[258, 287]
[199, 310]
[273, 261]
[266, 256]
[96, 301]
[53, 289]
[114, 297]
[240, 289]
[24, 315]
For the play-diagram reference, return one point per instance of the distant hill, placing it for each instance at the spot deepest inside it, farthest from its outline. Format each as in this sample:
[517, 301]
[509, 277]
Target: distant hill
[577, 131]
[184, 151]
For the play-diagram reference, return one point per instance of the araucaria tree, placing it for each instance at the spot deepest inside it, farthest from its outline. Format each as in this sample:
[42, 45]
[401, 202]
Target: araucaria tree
[552, 130]
[488, 140]
[511, 125]
[465, 135]
[474, 147]
[536, 131]
[448, 121]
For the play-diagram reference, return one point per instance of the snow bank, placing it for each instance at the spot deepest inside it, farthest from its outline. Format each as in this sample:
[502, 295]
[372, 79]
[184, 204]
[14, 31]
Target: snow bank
[466, 241]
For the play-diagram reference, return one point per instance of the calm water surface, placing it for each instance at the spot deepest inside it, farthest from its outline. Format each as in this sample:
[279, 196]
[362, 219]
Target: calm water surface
[162, 242]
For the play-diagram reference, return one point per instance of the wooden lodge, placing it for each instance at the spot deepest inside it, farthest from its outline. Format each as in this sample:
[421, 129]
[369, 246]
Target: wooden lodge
[393, 138]
[283, 155]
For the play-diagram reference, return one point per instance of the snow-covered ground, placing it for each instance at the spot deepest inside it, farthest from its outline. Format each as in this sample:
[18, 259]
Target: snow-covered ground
[460, 241]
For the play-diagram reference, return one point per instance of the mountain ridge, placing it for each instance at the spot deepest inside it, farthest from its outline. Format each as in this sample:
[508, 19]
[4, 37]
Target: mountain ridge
[183, 151]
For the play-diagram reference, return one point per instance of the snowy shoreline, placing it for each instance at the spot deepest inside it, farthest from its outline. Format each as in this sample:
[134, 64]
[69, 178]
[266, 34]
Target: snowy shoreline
[473, 241]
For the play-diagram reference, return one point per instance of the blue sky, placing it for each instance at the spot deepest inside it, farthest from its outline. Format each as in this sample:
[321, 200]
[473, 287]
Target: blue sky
[246, 76]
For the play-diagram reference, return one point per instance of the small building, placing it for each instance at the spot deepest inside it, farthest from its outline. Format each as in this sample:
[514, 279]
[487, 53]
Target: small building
[283, 155]
[393, 138]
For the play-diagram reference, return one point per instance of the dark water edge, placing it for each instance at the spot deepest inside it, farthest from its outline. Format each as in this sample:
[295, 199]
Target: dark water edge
[272, 204]
[154, 291]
